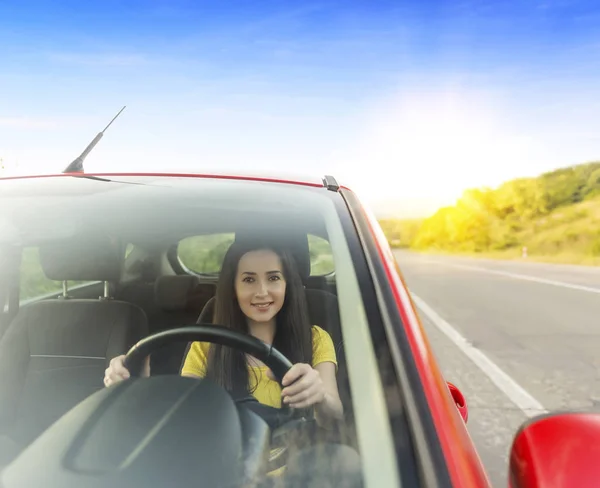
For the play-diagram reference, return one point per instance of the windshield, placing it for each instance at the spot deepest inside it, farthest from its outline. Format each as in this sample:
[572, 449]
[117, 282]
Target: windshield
[163, 245]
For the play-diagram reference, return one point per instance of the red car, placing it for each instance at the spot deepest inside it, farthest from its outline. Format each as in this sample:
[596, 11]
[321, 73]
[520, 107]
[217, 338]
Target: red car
[93, 266]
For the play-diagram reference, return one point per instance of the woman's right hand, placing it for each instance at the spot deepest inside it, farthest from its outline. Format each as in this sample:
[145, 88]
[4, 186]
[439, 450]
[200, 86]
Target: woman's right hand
[117, 372]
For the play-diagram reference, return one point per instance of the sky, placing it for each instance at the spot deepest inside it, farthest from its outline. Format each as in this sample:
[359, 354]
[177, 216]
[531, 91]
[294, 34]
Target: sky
[407, 102]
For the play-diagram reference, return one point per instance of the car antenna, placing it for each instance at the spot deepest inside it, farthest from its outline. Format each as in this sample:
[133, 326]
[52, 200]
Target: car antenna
[77, 165]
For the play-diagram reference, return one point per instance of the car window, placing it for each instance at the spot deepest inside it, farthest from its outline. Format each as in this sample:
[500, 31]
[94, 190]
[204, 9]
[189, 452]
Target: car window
[33, 280]
[321, 256]
[204, 254]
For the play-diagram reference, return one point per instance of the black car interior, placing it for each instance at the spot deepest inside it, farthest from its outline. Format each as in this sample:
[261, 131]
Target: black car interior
[63, 344]
[170, 301]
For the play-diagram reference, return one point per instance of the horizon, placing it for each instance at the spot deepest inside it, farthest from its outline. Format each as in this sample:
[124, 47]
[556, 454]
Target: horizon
[410, 104]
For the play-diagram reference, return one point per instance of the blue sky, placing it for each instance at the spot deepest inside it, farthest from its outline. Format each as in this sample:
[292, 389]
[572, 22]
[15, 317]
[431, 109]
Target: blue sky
[408, 102]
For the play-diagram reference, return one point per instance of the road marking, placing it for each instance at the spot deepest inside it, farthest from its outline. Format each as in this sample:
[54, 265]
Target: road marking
[518, 276]
[515, 392]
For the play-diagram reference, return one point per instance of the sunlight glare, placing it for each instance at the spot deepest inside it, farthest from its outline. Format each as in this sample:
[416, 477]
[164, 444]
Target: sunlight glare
[432, 146]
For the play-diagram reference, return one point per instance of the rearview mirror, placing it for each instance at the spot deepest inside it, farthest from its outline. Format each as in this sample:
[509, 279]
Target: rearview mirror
[460, 400]
[558, 450]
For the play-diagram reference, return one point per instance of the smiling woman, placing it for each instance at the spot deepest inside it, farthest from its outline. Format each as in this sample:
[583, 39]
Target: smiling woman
[260, 292]
[260, 285]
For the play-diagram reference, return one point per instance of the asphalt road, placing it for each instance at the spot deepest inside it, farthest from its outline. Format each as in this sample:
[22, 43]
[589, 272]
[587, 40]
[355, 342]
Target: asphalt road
[538, 326]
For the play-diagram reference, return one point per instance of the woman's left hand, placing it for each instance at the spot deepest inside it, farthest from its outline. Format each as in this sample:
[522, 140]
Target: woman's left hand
[303, 386]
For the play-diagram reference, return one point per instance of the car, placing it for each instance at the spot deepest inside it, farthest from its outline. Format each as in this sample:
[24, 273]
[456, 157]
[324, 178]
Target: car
[97, 265]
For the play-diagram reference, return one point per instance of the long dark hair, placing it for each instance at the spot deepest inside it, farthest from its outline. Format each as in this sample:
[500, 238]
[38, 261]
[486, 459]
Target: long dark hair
[293, 335]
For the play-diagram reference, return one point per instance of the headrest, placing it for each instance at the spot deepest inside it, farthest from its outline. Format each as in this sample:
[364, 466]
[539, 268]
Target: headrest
[173, 292]
[299, 248]
[83, 259]
[9, 257]
[296, 243]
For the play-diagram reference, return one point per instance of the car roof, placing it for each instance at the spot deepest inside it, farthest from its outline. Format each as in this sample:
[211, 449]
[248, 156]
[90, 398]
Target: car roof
[267, 176]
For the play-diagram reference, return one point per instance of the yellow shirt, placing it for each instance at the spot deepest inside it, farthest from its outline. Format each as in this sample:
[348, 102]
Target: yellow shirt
[265, 390]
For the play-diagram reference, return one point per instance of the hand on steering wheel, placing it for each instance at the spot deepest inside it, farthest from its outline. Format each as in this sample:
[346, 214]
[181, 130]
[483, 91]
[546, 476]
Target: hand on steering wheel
[303, 386]
[277, 363]
[282, 421]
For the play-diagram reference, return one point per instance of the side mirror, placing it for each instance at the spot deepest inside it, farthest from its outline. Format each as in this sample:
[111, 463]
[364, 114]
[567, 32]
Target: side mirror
[557, 451]
[460, 400]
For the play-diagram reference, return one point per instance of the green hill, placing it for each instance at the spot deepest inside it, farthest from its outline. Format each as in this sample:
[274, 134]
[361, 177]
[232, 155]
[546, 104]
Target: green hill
[556, 216]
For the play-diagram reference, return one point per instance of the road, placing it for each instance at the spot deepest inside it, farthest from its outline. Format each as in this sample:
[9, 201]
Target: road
[538, 326]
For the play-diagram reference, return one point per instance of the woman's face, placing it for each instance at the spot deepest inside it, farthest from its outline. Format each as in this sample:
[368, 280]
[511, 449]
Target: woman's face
[260, 285]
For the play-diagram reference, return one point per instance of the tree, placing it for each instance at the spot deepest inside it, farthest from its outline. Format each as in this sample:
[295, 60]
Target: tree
[592, 186]
[484, 219]
[522, 198]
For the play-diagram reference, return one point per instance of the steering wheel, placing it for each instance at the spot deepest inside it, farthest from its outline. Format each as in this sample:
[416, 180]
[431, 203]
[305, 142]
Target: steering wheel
[215, 334]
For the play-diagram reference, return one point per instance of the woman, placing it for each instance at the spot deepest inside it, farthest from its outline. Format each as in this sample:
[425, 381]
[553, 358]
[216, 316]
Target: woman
[260, 292]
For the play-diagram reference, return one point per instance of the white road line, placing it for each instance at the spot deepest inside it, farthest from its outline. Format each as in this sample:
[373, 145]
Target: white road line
[518, 276]
[515, 392]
